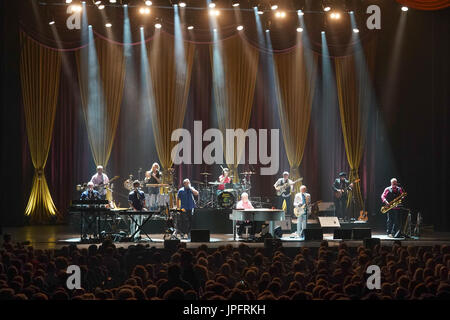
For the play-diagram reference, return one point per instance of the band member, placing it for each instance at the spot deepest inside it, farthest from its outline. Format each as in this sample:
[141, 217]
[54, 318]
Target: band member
[302, 199]
[224, 178]
[394, 216]
[244, 203]
[90, 193]
[186, 203]
[340, 187]
[286, 193]
[89, 221]
[100, 180]
[136, 200]
[153, 177]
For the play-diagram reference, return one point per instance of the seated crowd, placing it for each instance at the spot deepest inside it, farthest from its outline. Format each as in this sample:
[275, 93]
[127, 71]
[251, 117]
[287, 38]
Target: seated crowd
[145, 273]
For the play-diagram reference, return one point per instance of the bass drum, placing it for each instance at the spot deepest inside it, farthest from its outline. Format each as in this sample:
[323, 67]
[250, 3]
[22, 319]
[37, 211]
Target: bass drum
[226, 200]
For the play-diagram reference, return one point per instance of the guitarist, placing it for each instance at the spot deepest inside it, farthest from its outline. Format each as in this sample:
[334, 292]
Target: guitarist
[100, 180]
[341, 186]
[302, 200]
[286, 194]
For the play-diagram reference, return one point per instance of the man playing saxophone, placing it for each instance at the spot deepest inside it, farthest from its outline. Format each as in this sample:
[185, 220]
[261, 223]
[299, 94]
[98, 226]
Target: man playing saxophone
[393, 222]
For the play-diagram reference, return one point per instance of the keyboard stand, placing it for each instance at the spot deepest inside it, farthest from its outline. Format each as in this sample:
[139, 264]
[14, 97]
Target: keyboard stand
[140, 226]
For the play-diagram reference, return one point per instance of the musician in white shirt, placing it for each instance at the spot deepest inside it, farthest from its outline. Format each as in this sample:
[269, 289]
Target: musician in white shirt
[301, 199]
[100, 180]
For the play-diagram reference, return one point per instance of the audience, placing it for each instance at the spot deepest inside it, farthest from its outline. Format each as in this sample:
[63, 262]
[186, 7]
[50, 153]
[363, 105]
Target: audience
[226, 273]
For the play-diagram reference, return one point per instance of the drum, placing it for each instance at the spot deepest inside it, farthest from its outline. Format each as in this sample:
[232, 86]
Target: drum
[226, 200]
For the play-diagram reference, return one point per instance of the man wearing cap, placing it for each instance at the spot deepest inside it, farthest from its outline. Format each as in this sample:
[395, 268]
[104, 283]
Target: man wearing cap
[340, 187]
[286, 194]
[100, 179]
[136, 200]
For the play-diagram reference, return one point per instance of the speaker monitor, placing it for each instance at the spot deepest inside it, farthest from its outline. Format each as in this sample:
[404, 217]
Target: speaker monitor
[361, 233]
[370, 243]
[171, 244]
[313, 234]
[200, 235]
[345, 234]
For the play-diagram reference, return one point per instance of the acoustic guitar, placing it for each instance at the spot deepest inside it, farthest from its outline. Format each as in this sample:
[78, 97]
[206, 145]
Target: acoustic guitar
[298, 211]
[338, 194]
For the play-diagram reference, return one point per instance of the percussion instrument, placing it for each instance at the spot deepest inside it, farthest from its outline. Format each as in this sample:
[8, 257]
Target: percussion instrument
[226, 200]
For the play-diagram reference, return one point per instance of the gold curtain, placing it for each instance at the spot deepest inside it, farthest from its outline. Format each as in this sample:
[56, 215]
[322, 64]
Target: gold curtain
[354, 94]
[101, 84]
[170, 81]
[39, 74]
[234, 80]
[295, 91]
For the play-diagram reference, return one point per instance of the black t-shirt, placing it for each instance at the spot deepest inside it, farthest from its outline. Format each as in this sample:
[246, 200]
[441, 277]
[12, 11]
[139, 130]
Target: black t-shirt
[152, 179]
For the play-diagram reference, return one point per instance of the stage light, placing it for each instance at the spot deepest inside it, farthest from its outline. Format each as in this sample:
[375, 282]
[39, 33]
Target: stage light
[101, 7]
[214, 12]
[274, 7]
[267, 30]
[158, 26]
[97, 3]
[148, 3]
[112, 1]
[190, 27]
[300, 13]
[215, 30]
[68, 1]
[76, 8]
[108, 25]
[351, 12]
[327, 8]
[355, 30]
[239, 28]
[299, 29]
[144, 10]
[182, 4]
[335, 15]
[322, 32]
[235, 4]
[404, 8]
[260, 12]
[52, 22]
[212, 5]
[280, 14]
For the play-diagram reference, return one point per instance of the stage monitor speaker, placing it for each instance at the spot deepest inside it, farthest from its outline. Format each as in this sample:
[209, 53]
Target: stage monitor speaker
[344, 234]
[361, 233]
[370, 243]
[171, 245]
[200, 235]
[329, 222]
[313, 234]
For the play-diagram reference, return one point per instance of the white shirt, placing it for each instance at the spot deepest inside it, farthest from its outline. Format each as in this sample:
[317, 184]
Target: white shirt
[298, 200]
[98, 179]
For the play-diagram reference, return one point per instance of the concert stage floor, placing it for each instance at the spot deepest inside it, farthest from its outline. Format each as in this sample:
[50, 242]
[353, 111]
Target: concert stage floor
[57, 236]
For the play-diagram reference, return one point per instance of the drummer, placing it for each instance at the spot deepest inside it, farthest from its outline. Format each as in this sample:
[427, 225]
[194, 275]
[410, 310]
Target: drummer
[224, 179]
[153, 177]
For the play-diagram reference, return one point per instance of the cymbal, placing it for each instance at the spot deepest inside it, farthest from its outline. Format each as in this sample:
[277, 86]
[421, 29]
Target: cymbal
[214, 183]
[197, 182]
[249, 172]
[206, 173]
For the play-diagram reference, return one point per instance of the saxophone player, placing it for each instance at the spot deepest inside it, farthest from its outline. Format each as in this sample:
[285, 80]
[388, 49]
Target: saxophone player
[393, 222]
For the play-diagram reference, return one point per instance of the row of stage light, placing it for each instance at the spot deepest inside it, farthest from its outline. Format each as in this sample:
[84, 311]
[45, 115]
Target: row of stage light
[213, 11]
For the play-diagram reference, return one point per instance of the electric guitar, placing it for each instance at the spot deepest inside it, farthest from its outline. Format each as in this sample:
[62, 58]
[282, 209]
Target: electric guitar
[298, 211]
[338, 194]
[99, 187]
[280, 189]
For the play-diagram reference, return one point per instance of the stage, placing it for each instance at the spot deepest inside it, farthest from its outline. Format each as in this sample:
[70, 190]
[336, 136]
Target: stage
[57, 236]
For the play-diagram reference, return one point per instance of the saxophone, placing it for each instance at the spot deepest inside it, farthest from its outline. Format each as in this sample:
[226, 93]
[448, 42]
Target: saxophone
[394, 203]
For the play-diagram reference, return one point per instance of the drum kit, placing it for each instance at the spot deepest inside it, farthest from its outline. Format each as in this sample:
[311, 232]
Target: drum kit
[213, 197]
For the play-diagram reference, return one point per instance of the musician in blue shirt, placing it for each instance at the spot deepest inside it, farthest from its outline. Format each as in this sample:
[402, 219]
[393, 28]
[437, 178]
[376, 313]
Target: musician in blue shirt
[186, 203]
[136, 199]
[90, 193]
